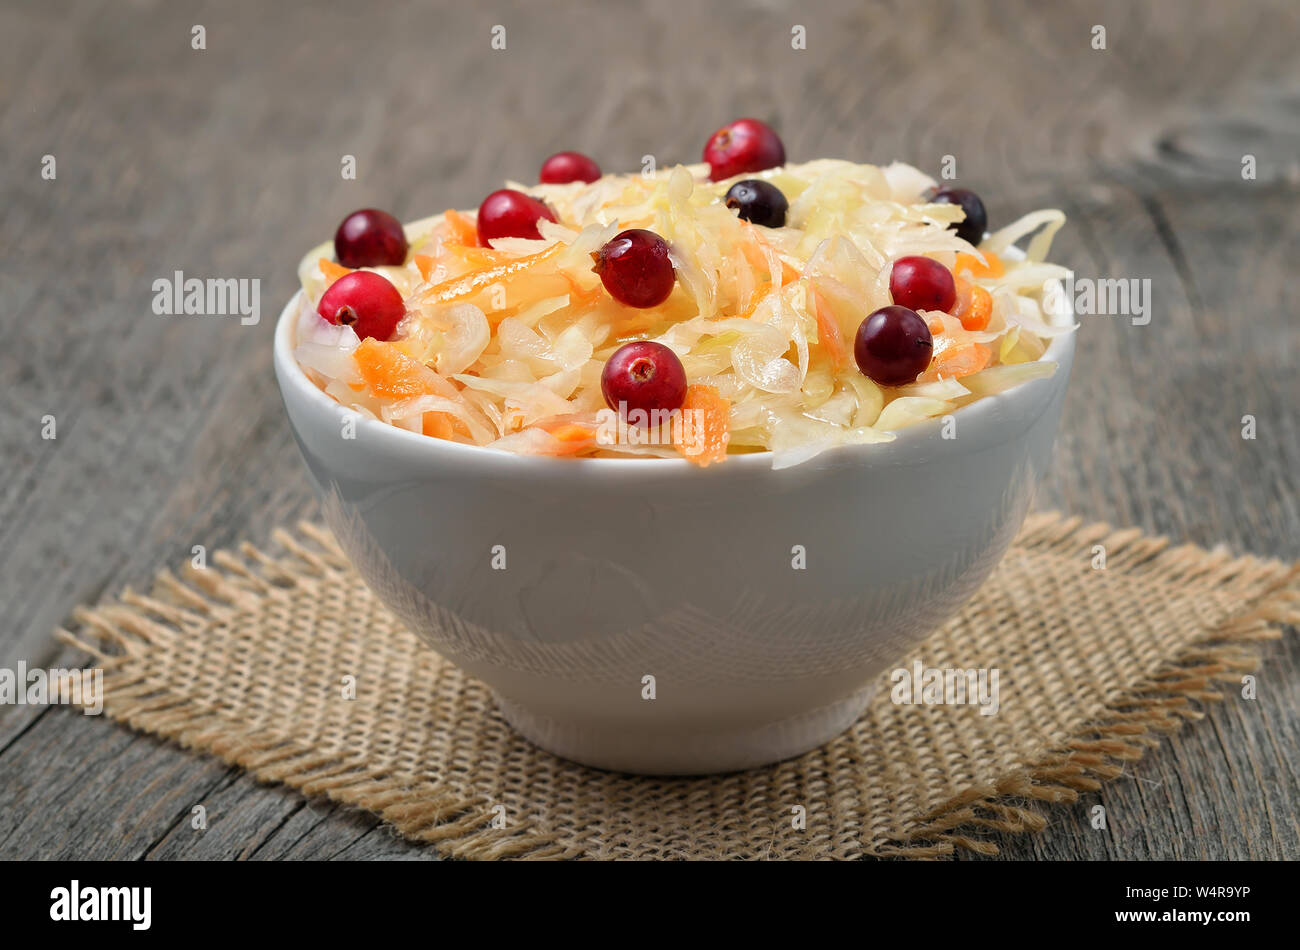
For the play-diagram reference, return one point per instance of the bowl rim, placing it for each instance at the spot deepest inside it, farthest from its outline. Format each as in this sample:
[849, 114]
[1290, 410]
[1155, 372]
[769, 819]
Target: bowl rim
[289, 372]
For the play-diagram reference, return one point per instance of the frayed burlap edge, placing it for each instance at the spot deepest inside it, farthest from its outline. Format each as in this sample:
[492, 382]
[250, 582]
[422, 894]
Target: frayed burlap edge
[1133, 721]
[116, 632]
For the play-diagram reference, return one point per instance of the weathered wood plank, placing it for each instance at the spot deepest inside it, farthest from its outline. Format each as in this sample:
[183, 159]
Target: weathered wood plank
[225, 162]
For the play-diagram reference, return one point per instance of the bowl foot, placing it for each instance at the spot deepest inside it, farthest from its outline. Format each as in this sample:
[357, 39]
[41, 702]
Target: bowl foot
[685, 751]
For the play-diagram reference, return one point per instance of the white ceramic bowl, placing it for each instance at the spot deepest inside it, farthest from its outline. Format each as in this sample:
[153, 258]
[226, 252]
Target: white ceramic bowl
[618, 570]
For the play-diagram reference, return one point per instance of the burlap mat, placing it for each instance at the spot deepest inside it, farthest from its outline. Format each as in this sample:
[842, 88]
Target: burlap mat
[245, 660]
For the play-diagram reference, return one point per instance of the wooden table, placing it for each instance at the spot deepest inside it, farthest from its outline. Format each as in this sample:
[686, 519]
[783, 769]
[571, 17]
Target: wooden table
[225, 162]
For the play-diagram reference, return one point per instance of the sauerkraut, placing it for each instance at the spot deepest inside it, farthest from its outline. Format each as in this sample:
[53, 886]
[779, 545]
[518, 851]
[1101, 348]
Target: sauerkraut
[503, 346]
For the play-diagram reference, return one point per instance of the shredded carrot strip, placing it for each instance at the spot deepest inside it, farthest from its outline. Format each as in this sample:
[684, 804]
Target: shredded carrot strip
[964, 288]
[828, 332]
[437, 424]
[754, 254]
[973, 308]
[389, 372]
[753, 307]
[425, 263]
[463, 230]
[333, 271]
[971, 264]
[572, 432]
[579, 297]
[476, 256]
[466, 285]
[958, 361]
[706, 426]
[753, 251]
[574, 438]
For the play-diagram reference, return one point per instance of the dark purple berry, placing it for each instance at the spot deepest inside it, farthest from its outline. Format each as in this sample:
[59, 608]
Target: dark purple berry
[758, 202]
[977, 219]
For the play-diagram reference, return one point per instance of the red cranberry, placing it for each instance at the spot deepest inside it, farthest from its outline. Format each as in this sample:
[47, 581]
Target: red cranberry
[972, 229]
[509, 213]
[564, 167]
[745, 145]
[370, 238]
[635, 269]
[645, 376]
[893, 346]
[365, 301]
[922, 283]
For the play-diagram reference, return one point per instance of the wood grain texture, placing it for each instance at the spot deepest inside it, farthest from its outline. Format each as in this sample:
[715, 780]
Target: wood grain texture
[224, 162]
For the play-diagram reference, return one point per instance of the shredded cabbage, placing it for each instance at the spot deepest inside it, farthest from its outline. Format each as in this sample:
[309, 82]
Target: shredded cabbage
[503, 346]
